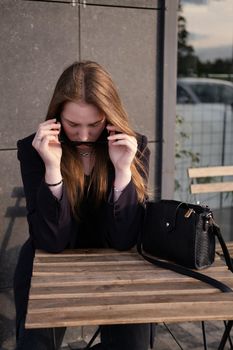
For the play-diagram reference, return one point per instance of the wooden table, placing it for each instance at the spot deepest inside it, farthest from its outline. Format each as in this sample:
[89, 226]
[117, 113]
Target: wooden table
[229, 247]
[92, 287]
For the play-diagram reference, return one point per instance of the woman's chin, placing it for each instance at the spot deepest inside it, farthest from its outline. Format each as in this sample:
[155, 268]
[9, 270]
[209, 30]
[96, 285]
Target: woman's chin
[84, 147]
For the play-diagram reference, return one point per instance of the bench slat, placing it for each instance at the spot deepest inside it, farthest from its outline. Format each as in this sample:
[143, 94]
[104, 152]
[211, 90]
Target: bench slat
[212, 187]
[210, 171]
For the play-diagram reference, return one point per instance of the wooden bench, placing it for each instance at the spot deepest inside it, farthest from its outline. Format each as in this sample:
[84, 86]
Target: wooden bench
[208, 173]
[93, 287]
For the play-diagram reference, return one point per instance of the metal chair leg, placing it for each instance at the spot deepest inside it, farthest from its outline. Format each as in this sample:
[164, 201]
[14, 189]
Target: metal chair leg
[173, 336]
[204, 335]
[83, 344]
[225, 335]
[229, 337]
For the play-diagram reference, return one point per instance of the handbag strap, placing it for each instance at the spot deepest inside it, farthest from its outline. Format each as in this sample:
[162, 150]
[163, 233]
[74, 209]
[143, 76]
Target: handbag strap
[185, 271]
[188, 272]
[217, 232]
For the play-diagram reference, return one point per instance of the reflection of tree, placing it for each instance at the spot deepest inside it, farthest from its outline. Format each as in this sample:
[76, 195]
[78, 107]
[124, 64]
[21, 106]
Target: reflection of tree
[218, 66]
[187, 60]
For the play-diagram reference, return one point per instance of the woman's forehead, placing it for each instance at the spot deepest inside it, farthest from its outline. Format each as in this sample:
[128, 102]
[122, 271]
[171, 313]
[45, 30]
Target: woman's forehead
[81, 111]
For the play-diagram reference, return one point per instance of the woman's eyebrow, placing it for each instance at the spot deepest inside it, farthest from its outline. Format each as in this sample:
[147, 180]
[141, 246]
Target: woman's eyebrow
[74, 123]
[97, 122]
[67, 120]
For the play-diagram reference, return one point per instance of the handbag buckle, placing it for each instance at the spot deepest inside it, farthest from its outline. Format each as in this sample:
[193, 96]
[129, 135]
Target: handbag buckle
[188, 213]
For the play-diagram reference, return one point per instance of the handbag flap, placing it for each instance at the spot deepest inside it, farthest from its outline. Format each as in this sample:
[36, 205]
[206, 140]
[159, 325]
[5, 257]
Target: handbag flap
[168, 213]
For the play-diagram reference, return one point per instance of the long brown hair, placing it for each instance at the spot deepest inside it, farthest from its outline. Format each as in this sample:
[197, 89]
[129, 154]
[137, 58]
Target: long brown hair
[88, 82]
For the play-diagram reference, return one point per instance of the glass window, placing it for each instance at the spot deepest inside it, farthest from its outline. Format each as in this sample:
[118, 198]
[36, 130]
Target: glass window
[207, 93]
[183, 96]
[226, 94]
[204, 128]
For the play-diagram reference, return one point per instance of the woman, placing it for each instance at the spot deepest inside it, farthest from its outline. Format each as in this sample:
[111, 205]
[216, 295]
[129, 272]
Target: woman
[83, 162]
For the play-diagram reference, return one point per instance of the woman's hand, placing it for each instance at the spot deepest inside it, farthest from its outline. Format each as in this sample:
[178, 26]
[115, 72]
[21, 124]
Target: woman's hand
[47, 144]
[122, 149]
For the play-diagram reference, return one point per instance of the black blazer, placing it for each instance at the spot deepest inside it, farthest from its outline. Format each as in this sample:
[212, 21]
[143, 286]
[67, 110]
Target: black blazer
[53, 228]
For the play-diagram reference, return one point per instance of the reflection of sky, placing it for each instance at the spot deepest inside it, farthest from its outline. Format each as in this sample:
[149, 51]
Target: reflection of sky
[210, 24]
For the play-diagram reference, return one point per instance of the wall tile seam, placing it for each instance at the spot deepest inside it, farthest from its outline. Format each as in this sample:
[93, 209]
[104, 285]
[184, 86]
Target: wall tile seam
[8, 149]
[78, 3]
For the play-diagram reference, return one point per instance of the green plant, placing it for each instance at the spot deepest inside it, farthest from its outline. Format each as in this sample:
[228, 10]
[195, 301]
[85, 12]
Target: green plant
[180, 151]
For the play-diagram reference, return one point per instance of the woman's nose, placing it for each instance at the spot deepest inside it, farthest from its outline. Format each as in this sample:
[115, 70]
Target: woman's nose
[83, 134]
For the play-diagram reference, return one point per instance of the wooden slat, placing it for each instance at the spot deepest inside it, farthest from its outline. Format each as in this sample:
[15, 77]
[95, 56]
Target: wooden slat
[86, 259]
[70, 269]
[168, 312]
[212, 187]
[116, 278]
[210, 171]
[126, 289]
[56, 305]
[122, 289]
[73, 253]
[229, 247]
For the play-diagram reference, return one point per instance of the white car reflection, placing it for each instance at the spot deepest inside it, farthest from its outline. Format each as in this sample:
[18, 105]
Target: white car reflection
[204, 90]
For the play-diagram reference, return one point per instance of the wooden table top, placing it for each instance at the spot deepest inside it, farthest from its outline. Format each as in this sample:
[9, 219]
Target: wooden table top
[93, 287]
[229, 247]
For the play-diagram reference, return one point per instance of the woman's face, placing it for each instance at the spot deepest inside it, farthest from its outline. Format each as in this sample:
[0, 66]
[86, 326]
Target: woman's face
[82, 122]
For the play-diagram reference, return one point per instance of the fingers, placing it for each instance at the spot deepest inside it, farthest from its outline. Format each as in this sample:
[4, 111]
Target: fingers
[47, 139]
[47, 131]
[114, 130]
[123, 140]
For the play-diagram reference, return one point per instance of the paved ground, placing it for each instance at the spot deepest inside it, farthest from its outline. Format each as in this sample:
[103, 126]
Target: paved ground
[188, 334]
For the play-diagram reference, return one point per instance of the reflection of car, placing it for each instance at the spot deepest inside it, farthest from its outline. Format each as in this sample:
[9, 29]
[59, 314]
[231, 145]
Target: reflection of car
[204, 90]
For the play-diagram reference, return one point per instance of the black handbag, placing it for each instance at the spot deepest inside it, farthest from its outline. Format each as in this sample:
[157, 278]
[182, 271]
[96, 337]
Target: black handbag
[183, 234]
